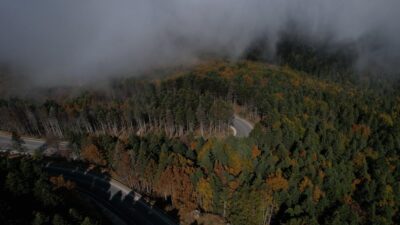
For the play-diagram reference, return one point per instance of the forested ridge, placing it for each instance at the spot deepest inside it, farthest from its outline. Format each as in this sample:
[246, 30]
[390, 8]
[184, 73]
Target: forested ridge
[175, 107]
[321, 152]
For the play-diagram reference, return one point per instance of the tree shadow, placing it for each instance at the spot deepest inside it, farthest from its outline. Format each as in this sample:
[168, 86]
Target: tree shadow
[162, 203]
[116, 198]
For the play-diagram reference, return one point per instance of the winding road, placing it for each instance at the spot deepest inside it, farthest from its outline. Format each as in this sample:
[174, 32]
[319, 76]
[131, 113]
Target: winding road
[241, 127]
[122, 205]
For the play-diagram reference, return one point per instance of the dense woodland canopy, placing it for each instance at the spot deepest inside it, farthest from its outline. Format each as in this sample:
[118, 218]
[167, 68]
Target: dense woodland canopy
[28, 196]
[323, 151]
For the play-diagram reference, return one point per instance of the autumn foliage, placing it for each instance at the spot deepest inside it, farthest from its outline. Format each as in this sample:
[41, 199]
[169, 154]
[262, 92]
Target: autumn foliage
[92, 154]
[276, 182]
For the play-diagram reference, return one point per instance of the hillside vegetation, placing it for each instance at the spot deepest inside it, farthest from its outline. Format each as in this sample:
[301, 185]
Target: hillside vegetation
[28, 196]
[323, 152]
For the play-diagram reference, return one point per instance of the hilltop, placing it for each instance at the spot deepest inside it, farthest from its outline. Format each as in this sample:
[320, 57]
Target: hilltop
[323, 151]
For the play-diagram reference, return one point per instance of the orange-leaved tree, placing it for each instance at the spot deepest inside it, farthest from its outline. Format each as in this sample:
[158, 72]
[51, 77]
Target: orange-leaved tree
[92, 154]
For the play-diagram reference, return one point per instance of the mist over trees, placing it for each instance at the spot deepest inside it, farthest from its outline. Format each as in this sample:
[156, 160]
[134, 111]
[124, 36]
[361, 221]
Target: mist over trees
[316, 156]
[174, 107]
[321, 87]
[322, 151]
[76, 42]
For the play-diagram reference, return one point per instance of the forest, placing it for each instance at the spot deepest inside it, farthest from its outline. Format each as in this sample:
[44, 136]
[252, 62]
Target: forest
[229, 112]
[175, 107]
[323, 150]
[29, 196]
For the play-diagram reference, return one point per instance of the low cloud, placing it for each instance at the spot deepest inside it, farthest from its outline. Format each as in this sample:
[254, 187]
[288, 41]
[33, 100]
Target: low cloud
[58, 41]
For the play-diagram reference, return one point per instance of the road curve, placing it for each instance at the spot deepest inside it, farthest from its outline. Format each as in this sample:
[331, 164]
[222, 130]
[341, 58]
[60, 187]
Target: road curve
[242, 127]
[114, 196]
[117, 198]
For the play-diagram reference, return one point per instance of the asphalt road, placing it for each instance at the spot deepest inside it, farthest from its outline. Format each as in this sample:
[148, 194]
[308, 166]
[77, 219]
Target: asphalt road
[242, 127]
[30, 144]
[126, 206]
[117, 198]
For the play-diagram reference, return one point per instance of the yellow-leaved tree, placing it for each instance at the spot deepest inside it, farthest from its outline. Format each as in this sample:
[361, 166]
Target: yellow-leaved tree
[205, 193]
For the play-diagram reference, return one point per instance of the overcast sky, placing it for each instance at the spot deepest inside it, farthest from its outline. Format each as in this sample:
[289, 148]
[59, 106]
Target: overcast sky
[62, 40]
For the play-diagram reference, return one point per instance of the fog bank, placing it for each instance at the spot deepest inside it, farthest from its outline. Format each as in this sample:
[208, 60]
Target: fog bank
[58, 41]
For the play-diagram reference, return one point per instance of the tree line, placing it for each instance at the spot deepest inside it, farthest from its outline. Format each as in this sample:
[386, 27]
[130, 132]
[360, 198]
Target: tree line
[175, 107]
